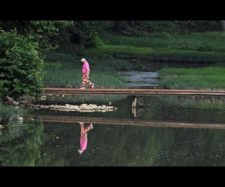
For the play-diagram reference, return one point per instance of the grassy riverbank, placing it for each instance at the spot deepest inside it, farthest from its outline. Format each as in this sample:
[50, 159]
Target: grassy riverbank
[193, 78]
[194, 47]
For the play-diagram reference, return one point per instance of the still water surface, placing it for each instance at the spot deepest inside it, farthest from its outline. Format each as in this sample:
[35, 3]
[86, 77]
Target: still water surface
[41, 143]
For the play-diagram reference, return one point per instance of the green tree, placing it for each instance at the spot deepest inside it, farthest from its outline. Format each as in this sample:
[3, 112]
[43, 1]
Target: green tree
[84, 33]
[43, 32]
[20, 65]
[177, 27]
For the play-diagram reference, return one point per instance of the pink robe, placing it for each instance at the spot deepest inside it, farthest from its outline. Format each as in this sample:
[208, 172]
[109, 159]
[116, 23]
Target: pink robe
[85, 68]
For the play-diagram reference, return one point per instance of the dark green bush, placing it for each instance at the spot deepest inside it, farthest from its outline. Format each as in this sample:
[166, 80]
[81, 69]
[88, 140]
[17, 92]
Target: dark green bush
[20, 65]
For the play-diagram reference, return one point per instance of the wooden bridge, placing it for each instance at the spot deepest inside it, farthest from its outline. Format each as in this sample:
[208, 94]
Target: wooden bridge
[51, 120]
[132, 92]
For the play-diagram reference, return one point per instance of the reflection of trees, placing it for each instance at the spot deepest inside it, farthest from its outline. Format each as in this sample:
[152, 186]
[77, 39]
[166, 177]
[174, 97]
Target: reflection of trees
[61, 144]
[112, 146]
[133, 146]
[195, 147]
[107, 145]
[20, 144]
[123, 146]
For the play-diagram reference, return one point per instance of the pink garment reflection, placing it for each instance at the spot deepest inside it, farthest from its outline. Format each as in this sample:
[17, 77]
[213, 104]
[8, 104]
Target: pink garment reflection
[84, 136]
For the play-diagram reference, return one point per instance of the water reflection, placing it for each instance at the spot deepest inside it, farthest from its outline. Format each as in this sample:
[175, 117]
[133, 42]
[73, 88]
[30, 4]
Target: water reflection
[146, 135]
[84, 136]
[20, 144]
[110, 144]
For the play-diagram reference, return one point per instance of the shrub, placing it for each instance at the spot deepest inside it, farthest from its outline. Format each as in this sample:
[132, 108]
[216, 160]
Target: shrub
[20, 65]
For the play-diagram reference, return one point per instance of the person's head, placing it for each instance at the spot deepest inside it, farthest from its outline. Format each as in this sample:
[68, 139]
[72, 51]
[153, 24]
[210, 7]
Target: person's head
[83, 60]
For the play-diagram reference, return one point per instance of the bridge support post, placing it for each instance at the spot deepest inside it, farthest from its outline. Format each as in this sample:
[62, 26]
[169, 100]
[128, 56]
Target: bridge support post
[134, 106]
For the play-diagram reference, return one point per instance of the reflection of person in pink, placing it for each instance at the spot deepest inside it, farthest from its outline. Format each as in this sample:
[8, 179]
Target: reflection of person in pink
[85, 74]
[83, 136]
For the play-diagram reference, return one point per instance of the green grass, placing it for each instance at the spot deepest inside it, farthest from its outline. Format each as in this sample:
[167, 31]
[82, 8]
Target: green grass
[203, 41]
[195, 47]
[64, 70]
[193, 78]
[158, 54]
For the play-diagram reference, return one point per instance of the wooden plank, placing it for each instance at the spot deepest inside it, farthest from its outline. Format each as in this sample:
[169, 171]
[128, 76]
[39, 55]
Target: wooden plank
[125, 122]
[133, 92]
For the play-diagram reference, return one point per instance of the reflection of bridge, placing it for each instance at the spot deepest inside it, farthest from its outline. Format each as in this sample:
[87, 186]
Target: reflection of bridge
[125, 122]
[133, 92]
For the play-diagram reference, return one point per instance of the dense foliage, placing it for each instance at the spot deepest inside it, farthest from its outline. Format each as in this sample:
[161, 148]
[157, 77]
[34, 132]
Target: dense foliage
[20, 65]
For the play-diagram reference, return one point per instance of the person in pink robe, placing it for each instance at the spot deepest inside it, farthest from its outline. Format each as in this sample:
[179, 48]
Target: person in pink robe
[85, 74]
